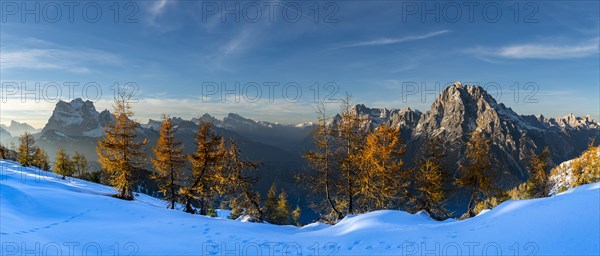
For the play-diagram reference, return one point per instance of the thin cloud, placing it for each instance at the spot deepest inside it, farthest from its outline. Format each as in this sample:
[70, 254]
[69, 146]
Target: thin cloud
[158, 6]
[388, 41]
[156, 13]
[539, 51]
[55, 59]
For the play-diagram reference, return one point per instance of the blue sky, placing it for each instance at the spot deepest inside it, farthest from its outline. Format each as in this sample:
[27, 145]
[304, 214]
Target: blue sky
[172, 50]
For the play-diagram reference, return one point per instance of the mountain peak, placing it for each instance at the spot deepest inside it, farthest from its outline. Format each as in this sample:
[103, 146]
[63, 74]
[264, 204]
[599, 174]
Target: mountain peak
[460, 109]
[17, 128]
[78, 118]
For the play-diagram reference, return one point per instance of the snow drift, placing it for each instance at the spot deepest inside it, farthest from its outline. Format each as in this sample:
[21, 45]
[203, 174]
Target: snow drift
[44, 215]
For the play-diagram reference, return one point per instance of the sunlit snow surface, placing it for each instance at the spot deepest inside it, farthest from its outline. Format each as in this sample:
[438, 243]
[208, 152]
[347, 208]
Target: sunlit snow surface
[44, 215]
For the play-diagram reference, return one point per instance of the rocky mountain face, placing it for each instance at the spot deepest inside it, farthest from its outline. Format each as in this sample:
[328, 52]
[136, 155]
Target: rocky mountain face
[406, 119]
[459, 110]
[77, 118]
[5, 136]
[16, 129]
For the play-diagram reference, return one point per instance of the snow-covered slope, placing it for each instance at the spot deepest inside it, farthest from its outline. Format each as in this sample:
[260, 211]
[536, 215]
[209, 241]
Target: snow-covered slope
[40, 212]
[562, 176]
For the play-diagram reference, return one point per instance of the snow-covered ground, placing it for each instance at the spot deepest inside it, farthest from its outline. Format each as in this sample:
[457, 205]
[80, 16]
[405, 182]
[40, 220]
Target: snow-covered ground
[44, 215]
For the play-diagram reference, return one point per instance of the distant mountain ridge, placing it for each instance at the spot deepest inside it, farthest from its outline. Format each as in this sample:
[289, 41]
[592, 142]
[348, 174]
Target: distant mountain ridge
[16, 128]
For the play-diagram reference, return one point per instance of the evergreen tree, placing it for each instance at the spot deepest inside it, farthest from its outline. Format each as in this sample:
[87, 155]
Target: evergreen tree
[270, 205]
[323, 158]
[80, 162]
[118, 151]
[63, 165]
[538, 185]
[40, 159]
[26, 150]
[430, 180]
[296, 216]
[168, 162]
[207, 162]
[282, 211]
[477, 174]
[380, 178]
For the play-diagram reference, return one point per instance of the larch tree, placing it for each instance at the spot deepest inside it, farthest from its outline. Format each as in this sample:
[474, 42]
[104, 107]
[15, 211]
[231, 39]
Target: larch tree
[282, 211]
[477, 175]
[296, 216]
[430, 180]
[168, 162]
[323, 159]
[586, 168]
[26, 150]
[351, 136]
[81, 163]
[40, 159]
[380, 178]
[207, 162]
[270, 205]
[538, 185]
[241, 177]
[118, 151]
[63, 165]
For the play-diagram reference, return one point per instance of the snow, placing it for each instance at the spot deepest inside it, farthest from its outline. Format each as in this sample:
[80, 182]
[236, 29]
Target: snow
[563, 176]
[96, 132]
[47, 215]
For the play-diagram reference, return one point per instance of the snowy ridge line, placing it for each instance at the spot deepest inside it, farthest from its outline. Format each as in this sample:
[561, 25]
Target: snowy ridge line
[42, 213]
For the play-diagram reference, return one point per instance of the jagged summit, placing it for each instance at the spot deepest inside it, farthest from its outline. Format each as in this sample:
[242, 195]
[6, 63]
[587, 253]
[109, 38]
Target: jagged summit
[460, 109]
[78, 118]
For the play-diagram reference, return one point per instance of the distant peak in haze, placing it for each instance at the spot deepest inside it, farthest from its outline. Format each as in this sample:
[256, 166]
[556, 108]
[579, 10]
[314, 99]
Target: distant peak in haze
[16, 128]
